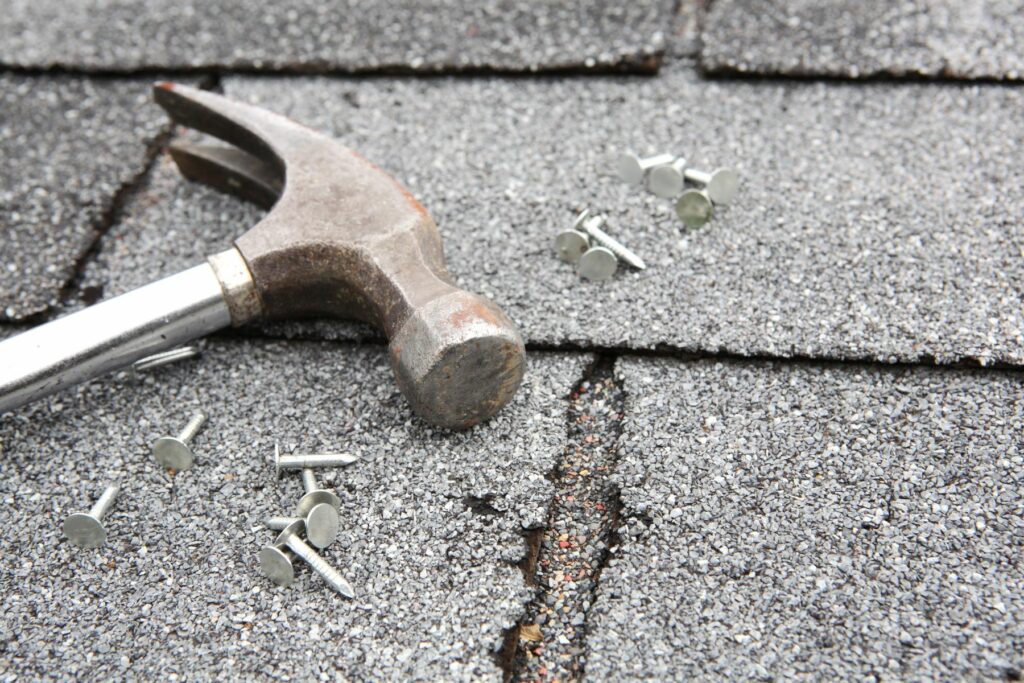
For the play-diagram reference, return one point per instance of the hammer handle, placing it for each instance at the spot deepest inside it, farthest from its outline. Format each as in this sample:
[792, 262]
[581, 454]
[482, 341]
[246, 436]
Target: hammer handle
[111, 335]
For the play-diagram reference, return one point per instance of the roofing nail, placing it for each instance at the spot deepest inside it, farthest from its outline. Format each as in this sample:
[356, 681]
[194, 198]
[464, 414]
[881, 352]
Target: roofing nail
[173, 452]
[632, 169]
[85, 529]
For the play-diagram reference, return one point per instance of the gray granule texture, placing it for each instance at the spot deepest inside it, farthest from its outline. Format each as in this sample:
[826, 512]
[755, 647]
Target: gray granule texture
[956, 39]
[840, 523]
[177, 594]
[68, 145]
[684, 38]
[874, 221]
[342, 35]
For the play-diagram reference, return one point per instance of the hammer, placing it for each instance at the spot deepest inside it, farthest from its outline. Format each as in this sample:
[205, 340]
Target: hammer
[342, 239]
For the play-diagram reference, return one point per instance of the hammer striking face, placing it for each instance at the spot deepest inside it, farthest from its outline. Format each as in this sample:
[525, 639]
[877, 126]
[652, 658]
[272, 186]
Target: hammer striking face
[342, 239]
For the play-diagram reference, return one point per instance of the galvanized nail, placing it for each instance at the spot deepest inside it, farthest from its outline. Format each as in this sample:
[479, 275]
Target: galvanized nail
[173, 452]
[164, 358]
[591, 225]
[632, 169]
[299, 461]
[721, 185]
[289, 538]
[85, 529]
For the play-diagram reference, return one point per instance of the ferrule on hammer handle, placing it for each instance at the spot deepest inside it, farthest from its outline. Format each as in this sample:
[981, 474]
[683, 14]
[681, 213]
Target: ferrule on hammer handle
[115, 333]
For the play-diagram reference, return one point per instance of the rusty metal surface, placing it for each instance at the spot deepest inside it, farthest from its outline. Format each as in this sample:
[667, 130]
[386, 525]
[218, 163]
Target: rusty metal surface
[346, 240]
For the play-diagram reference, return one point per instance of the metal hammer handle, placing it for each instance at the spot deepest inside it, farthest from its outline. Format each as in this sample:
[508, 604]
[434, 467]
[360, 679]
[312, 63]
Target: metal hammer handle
[111, 335]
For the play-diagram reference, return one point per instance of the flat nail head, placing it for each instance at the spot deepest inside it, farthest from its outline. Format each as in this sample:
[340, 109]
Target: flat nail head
[665, 181]
[314, 498]
[277, 460]
[629, 169]
[598, 263]
[276, 565]
[322, 525]
[694, 208]
[84, 530]
[570, 245]
[173, 454]
[723, 186]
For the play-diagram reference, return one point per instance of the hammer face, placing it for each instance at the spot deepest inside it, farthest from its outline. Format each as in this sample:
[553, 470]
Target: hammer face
[458, 360]
[344, 239]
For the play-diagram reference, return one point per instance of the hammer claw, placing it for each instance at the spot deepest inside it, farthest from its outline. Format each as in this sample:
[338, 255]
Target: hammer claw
[229, 170]
[244, 126]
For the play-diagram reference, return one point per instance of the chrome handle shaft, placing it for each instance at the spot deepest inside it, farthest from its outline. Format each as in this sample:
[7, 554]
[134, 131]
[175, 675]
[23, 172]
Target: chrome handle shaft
[111, 335]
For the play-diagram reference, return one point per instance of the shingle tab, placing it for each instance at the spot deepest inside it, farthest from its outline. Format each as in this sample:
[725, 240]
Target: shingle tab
[338, 36]
[874, 221]
[833, 522]
[948, 39]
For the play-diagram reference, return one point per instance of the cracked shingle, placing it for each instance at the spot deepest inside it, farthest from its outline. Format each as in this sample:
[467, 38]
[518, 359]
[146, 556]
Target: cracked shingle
[838, 522]
[177, 590]
[69, 145]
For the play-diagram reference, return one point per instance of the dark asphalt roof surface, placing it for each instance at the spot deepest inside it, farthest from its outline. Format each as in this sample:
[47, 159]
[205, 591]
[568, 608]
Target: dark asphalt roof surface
[813, 511]
[436, 579]
[345, 36]
[842, 523]
[69, 145]
[857, 233]
[948, 39]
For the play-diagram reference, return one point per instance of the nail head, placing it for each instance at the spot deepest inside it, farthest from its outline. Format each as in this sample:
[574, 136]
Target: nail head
[276, 565]
[629, 169]
[322, 525]
[570, 245]
[173, 454]
[84, 530]
[694, 208]
[598, 263]
[723, 186]
[665, 181]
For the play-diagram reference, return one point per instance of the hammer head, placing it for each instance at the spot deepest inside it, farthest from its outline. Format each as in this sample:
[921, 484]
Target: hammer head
[344, 239]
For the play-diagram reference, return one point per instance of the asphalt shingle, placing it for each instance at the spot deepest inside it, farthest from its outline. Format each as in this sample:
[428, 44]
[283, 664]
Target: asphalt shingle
[875, 221]
[177, 590]
[838, 522]
[69, 145]
[958, 39]
[347, 36]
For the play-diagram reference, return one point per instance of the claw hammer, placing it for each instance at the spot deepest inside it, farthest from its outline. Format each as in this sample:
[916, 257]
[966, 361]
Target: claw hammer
[342, 239]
